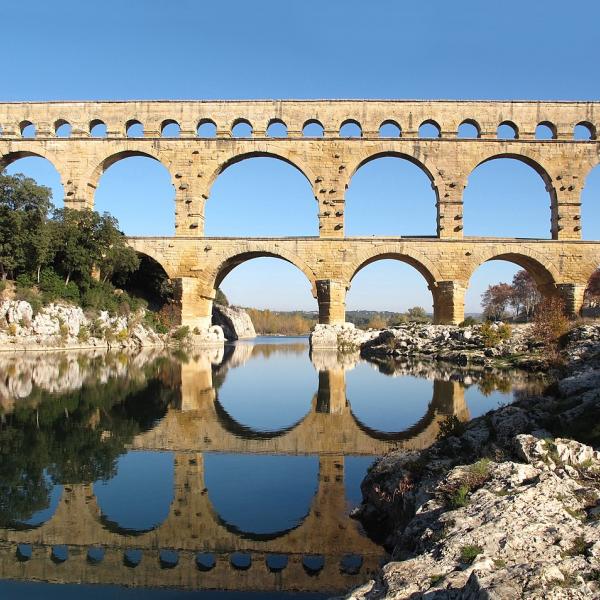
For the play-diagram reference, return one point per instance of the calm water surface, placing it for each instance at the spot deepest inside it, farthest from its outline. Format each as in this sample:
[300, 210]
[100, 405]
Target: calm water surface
[219, 474]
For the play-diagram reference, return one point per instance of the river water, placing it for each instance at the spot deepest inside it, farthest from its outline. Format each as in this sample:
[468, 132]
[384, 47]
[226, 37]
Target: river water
[223, 473]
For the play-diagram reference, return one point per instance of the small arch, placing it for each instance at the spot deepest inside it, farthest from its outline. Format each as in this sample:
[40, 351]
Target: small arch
[62, 128]
[313, 564]
[584, 130]
[206, 128]
[545, 131]
[60, 554]
[390, 129]
[507, 130]
[241, 128]
[350, 564]
[205, 561]
[98, 128]
[430, 129]
[27, 129]
[469, 129]
[132, 557]
[168, 559]
[240, 561]
[170, 128]
[350, 128]
[276, 562]
[134, 129]
[313, 128]
[95, 555]
[277, 129]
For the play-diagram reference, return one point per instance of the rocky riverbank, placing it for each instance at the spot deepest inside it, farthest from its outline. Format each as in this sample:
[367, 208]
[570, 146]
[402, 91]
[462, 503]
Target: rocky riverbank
[479, 344]
[505, 506]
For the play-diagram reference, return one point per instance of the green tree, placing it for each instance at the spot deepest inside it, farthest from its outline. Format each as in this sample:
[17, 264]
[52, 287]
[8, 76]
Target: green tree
[417, 314]
[24, 207]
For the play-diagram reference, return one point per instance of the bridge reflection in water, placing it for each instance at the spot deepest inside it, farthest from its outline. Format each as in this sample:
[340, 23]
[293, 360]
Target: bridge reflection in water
[194, 548]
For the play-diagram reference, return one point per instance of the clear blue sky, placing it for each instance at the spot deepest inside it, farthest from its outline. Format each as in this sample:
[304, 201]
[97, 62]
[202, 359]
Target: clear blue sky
[312, 49]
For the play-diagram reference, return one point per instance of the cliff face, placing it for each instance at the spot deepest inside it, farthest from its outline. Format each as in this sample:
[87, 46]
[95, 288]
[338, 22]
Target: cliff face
[235, 322]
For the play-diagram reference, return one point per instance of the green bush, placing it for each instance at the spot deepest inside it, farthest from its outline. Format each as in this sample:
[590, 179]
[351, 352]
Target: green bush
[181, 333]
[152, 320]
[468, 322]
[53, 287]
[29, 295]
[84, 334]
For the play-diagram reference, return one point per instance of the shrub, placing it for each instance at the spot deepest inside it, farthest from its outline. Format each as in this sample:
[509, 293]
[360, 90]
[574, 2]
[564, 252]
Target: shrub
[469, 553]
[122, 335]
[84, 334]
[460, 497]
[63, 331]
[12, 329]
[450, 426]
[152, 320]
[2, 285]
[181, 333]
[468, 322]
[53, 287]
[492, 335]
[550, 321]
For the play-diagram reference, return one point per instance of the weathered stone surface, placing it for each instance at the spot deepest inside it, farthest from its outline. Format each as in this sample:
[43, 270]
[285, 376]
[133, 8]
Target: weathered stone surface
[344, 336]
[531, 526]
[561, 266]
[235, 322]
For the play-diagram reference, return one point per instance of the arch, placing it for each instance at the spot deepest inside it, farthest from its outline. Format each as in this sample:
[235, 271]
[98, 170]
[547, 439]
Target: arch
[134, 129]
[44, 173]
[241, 128]
[245, 502]
[590, 205]
[119, 155]
[545, 130]
[397, 179]
[350, 128]
[390, 129]
[277, 129]
[141, 188]
[233, 160]
[539, 267]
[468, 129]
[146, 517]
[98, 128]
[206, 128]
[411, 257]
[62, 128]
[430, 129]
[416, 416]
[170, 128]
[511, 179]
[507, 130]
[229, 263]
[313, 128]
[394, 154]
[27, 129]
[584, 130]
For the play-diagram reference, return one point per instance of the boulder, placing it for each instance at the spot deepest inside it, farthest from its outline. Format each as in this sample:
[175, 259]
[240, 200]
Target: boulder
[235, 322]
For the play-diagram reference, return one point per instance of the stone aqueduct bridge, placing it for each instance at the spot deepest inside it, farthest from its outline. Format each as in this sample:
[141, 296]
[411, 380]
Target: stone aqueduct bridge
[561, 265]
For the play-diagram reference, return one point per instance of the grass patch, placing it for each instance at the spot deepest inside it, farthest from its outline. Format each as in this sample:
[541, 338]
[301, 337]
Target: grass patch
[469, 553]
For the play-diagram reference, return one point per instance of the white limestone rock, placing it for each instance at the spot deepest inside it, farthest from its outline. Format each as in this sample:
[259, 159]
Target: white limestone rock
[235, 322]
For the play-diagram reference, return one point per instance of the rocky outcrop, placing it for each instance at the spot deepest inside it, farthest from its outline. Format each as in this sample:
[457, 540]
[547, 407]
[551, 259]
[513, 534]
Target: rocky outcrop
[235, 322]
[526, 529]
[67, 326]
[504, 506]
[459, 345]
[345, 337]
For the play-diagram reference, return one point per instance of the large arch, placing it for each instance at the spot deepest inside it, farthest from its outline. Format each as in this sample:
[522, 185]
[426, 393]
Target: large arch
[136, 476]
[500, 266]
[515, 178]
[271, 196]
[401, 196]
[590, 205]
[38, 165]
[246, 501]
[147, 205]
